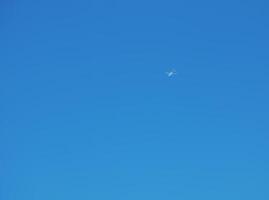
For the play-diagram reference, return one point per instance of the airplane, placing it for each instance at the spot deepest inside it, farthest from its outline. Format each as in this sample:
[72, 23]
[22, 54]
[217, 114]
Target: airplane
[171, 73]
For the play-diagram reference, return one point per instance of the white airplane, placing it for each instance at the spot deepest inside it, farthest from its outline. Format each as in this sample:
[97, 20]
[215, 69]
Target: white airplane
[171, 73]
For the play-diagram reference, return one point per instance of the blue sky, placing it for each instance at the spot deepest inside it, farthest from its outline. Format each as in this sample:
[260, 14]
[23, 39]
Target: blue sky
[87, 111]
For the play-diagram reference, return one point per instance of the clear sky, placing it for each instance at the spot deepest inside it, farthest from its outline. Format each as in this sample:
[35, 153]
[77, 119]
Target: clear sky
[87, 112]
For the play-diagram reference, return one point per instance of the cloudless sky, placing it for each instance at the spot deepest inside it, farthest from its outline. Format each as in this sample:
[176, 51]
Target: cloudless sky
[87, 112]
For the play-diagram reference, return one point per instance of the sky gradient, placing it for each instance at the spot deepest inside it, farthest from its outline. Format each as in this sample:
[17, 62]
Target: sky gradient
[87, 111]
